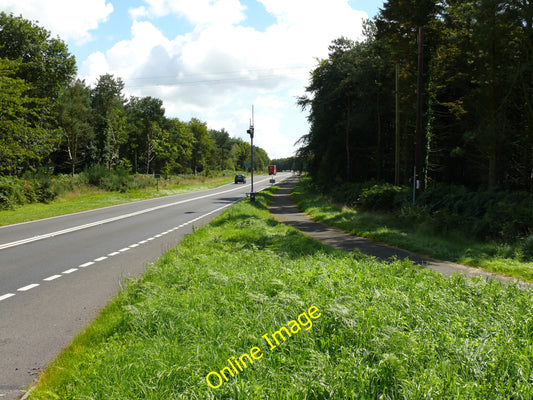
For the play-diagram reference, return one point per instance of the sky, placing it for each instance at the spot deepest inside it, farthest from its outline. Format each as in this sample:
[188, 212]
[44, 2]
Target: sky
[207, 59]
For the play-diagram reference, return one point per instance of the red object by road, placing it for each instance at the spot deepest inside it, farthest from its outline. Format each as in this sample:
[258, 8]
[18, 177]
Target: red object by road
[272, 170]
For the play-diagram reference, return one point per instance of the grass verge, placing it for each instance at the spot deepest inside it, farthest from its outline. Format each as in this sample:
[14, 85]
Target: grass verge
[89, 198]
[494, 257]
[387, 331]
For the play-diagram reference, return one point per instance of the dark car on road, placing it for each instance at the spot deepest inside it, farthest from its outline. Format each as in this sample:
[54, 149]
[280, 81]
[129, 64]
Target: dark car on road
[240, 178]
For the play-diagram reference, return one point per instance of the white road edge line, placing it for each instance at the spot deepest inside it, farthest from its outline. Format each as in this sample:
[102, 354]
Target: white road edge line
[26, 288]
[100, 259]
[115, 253]
[105, 221]
[6, 296]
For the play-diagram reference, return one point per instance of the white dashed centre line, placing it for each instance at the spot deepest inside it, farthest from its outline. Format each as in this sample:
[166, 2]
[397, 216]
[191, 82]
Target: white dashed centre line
[70, 271]
[51, 278]
[87, 264]
[26, 288]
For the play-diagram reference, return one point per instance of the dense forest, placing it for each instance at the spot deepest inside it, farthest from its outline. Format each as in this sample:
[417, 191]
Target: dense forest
[51, 122]
[476, 98]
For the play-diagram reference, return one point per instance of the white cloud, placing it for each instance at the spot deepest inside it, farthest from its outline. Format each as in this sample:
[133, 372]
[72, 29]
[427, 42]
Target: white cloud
[198, 12]
[216, 71]
[71, 20]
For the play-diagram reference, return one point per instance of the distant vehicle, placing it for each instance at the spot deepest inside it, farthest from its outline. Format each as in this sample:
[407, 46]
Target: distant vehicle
[272, 170]
[240, 178]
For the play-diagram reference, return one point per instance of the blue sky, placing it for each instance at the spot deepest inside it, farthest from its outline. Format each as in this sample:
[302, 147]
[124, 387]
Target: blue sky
[207, 59]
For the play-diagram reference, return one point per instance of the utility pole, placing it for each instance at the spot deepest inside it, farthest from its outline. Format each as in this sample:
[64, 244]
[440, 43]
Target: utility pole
[420, 86]
[397, 153]
[251, 133]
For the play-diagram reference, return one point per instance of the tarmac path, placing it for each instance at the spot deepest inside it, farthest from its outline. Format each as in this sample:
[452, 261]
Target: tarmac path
[286, 211]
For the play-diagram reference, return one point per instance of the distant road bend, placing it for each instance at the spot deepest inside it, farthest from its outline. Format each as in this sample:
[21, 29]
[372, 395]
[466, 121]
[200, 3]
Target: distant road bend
[56, 273]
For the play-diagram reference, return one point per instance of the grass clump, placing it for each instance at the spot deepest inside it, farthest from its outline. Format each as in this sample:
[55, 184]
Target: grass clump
[386, 330]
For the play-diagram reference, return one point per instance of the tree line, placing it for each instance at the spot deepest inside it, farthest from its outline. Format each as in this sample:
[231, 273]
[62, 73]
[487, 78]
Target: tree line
[54, 123]
[477, 98]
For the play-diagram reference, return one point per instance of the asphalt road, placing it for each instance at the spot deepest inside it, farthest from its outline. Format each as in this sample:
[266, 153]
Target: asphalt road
[57, 273]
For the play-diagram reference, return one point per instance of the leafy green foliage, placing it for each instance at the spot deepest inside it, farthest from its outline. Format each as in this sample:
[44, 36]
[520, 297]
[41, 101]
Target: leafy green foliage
[487, 215]
[23, 140]
[383, 197]
[45, 62]
[477, 112]
[15, 191]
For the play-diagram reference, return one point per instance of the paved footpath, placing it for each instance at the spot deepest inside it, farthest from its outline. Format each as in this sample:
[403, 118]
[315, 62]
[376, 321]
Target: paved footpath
[286, 211]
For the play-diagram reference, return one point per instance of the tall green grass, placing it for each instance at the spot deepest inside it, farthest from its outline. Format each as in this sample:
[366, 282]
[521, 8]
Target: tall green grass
[386, 330]
[508, 259]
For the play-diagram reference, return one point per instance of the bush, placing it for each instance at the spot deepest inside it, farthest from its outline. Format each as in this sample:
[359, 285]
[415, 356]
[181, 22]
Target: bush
[527, 247]
[485, 215]
[118, 180]
[384, 197]
[15, 192]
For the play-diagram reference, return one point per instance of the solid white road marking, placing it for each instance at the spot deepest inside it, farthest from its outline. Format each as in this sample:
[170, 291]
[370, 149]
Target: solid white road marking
[51, 278]
[25, 288]
[70, 271]
[100, 259]
[131, 246]
[143, 241]
[105, 221]
[124, 249]
[115, 253]
[6, 296]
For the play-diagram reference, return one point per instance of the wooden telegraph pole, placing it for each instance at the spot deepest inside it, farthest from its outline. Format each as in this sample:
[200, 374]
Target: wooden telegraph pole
[420, 87]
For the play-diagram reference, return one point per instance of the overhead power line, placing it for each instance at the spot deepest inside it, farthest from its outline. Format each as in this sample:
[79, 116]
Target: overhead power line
[213, 78]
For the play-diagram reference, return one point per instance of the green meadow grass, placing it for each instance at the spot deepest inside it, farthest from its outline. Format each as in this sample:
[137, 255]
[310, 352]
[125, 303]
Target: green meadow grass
[499, 258]
[88, 198]
[386, 330]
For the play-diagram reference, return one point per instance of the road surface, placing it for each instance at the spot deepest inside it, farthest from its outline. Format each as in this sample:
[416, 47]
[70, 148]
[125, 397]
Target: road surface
[57, 273]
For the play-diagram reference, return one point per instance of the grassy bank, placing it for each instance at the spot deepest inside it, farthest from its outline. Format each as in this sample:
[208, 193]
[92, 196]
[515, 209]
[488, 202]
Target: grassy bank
[387, 331]
[491, 256]
[87, 197]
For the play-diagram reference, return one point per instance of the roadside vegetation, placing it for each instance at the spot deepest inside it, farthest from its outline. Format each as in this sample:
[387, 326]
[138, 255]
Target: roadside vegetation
[37, 197]
[491, 231]
[462, 124]
[385, 330]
